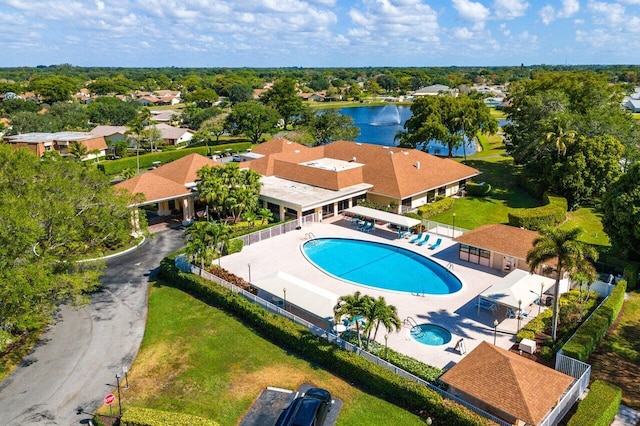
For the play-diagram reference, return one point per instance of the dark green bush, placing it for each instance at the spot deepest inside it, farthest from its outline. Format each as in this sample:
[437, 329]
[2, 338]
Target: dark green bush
[296, 338]
[631, 275]
[589, 335]
[551, 214]
[599, 407]
[531, 186]
[436, 207]
[546, 352]
[478, 189]
[136, 416]
[114, 167]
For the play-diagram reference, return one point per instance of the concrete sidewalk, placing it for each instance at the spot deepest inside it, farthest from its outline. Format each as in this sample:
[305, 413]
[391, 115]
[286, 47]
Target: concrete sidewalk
[626, 417]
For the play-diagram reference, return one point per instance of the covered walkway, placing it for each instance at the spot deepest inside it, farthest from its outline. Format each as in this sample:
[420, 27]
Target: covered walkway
[402, 222]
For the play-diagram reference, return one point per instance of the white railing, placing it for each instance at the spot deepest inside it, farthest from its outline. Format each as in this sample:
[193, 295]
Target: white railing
[182, 264]
[274, 231]
[443, 229]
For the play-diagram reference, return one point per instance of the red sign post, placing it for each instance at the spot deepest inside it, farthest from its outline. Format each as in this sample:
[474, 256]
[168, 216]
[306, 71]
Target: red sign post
[109, 399]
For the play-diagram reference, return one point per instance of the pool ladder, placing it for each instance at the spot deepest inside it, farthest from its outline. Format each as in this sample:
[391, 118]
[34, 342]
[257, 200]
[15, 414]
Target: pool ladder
[309, 236]
[410, 322]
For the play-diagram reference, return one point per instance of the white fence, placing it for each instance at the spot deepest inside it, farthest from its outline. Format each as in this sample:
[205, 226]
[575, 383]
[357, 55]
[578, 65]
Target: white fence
[182, 263]
[274, 231]
[442, 229]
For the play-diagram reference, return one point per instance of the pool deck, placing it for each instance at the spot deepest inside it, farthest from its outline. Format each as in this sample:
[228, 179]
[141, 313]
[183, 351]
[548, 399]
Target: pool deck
[456, 312]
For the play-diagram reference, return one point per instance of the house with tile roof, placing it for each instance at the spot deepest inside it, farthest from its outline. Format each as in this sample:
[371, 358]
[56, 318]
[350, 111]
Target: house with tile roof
[507, 385]
[174, 135]
[111, 134]
[171, 186]
[331, 178]
[60, 142]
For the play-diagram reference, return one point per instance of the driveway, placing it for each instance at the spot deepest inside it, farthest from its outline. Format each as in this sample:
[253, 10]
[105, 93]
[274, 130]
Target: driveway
[73, 366]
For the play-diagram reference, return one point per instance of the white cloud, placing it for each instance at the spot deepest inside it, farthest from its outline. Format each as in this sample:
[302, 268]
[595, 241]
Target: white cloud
[470, 11]
[462, 34]
[569, 8]
[510, 9]
[612, 15]
[547, 14]
[629, 1]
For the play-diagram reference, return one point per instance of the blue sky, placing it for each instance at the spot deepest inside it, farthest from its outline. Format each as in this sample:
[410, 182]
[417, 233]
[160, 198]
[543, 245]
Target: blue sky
[318, 33]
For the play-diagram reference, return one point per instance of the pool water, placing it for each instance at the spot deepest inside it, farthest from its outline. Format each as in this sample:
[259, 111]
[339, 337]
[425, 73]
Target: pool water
[429, 334]
[382, 266]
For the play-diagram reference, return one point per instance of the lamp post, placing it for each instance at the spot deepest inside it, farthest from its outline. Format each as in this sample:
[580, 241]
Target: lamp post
[495, 331]
[284, 305]
[386, 347]
[540, 300]
[519, 313]
[125, 370]
[429, 421]
[249, 266]
[453, 233]
[119, 400]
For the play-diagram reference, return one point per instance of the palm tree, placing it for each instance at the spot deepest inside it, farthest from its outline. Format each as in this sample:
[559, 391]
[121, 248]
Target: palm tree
[571, 254]
[77, 150]
[206, 239]
[354, 307]
[560, 137]
[378, 312]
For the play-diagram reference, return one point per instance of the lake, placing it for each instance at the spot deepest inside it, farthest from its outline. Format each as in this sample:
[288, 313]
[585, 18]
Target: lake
[379, 124]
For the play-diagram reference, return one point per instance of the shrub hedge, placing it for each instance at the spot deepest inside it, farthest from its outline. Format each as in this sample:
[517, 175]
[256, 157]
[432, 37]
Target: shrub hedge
[599, 407]
[114, 167]
[478, 189]
[589, 335]
[350, 366]
[234, 246]
[552, 213]
[435, 208]
[137, 416]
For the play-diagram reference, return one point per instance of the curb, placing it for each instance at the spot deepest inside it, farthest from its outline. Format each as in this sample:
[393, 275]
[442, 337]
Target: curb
[109, 256]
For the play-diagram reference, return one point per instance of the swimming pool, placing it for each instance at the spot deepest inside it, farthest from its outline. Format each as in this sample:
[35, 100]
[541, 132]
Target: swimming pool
[430, 334]
[380, 265]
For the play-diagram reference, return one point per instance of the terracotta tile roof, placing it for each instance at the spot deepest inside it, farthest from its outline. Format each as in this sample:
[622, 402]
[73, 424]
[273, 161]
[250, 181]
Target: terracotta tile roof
[97, 142]
[153, 187]
[184, 170]
[395, 172]
[169, 180]
[509, 382]
[500, 238]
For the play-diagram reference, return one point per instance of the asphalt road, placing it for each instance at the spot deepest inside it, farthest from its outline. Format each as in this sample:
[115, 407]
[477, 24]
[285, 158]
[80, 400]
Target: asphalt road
[73, 366]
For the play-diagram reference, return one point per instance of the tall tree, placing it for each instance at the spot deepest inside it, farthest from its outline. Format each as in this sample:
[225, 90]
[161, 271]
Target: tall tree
[53, 212]
[329, 125]
[379, 312]
[445, 119]
[283, 97]
[570, 254]
[621, 213]
[136, 129]
[252, 119]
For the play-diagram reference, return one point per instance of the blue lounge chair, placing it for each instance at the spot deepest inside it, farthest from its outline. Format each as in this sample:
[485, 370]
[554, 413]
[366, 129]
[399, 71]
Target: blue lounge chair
[436, 244]
[424, 240]
[416, 238]
[363, 226]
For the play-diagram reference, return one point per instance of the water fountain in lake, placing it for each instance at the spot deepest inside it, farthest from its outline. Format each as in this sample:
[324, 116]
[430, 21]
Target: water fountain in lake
[389, 115]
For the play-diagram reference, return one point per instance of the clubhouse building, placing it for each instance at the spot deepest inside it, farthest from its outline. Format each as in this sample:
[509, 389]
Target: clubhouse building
[324, 181]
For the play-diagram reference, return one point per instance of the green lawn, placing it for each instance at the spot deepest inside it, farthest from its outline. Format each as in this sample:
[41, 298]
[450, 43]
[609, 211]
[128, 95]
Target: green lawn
[617, 359]
[197, 359]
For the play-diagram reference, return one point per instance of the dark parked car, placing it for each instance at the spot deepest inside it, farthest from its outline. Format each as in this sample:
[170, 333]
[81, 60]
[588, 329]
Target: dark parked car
[309, 409]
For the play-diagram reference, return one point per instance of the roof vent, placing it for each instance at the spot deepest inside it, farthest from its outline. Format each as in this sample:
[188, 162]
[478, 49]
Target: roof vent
[385, 147]
[418, 165]
[297, 151]
[390, 152]
[352, 159]
[358, 143]
[405, 152]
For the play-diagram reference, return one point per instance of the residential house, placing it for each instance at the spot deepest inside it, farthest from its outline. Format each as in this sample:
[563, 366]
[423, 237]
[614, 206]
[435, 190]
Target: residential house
[507, 385]
[111, 134]
[174, 135]
[164, 116]
[433, 90]
[60, 142]
[316, 97]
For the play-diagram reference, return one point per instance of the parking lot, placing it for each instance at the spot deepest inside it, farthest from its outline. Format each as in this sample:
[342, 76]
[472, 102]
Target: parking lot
[272, 401]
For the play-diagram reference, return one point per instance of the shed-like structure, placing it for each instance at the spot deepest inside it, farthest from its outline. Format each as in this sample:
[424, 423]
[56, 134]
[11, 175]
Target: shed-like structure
[517, 290]
[507, 385]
